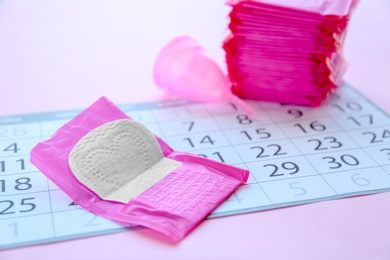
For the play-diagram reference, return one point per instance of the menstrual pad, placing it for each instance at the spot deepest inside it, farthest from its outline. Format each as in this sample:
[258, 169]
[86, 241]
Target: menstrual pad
[115, 168]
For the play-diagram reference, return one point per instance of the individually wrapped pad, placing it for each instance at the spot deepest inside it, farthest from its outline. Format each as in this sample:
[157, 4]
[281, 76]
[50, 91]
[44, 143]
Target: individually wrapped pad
[174, 204]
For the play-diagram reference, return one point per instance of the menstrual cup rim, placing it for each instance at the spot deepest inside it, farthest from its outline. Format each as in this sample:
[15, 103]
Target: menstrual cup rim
[165, 52]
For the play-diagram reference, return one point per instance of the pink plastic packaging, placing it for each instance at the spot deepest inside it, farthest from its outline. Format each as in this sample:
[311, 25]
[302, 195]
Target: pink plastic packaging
[286, 51]
[173, 206]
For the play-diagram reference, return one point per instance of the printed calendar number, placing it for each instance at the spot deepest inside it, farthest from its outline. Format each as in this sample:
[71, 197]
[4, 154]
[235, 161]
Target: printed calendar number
[372, 178]
[371, 137]
[17, 165]
[270, 150]
[341, 161]
[386, 151]
[17, 131]
[13, 148]
[17, 147]
[267, 150]
[286, 168]
[381, 154]
[314, 126]
[298, 190]
[26, 205]
[326, 143]
[359, 180]
[377, 137]
[21, 184]
[305, 188]
[23, 230]
[216, 155]
[362, 120]
[260, 133]
[345, 159]
[221, 154]
[275, 169]
[205, 140]
[348, 106]
[183, 127]
[80, 221]
[295, 113]
[190, 125]
[249, 196]
[93, 221]
[244, 120]
[197, 141]
[310, 127]
[254, 134]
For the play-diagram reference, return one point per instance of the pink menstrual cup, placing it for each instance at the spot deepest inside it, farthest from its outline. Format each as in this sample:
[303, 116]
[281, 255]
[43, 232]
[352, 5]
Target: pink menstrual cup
[184, 68]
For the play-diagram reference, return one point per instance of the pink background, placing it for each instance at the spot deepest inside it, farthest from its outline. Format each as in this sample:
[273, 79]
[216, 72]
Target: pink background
[57, 55]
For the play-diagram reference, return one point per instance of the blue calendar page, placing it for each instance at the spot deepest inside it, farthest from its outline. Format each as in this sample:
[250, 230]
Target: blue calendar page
[296, 155]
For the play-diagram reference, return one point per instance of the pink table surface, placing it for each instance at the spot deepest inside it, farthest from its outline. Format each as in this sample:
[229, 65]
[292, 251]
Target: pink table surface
[57, 55]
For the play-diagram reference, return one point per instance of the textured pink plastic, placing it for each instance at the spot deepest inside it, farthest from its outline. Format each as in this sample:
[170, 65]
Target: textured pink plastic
[286, 51]
[184, 68]
[173, 206]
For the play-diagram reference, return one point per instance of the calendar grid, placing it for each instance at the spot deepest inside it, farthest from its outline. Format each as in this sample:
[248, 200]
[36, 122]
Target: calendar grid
[48, 192]
[296, 155]
[243, 161]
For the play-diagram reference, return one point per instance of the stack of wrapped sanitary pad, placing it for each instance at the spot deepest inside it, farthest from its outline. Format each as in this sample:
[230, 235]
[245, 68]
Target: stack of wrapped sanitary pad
[287, 51]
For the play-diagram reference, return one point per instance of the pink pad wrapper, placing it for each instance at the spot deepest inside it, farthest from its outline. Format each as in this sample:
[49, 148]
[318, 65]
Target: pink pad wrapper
[173, 206]
[287, 51]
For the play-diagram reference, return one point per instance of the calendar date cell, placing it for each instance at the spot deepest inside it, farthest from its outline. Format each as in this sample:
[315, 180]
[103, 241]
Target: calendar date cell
[19, 131]
[348, 106]
[293, 113]
[81, 221]
[62, 202]
[286, 168]
[341, 161]
[251, 179]
[223, 154]
[24, 205]
[18, 164]
[254, 134]
[358, 180]
[371, 136]
[325, 143]
[241, 120]
[305, 188]
[267, 150]
[362, 120]
[197, 141]
[180, 113]
[195, 125]
[17, 147]
[25, 229]
[22, 183]
[381, 154]
[245, 197]
[310, 127]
